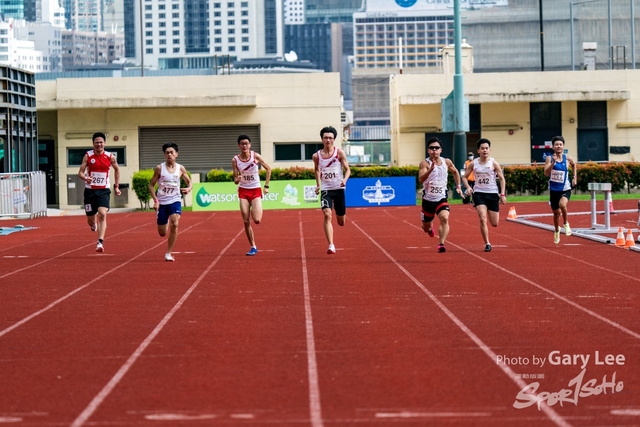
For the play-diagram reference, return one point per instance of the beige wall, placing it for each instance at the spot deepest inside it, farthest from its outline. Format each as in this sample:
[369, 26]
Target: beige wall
[288, 108]
[505, 98]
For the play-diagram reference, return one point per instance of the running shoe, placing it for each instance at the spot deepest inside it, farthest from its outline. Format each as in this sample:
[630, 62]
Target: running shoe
[556, 237]
[252, 251]
[441, 248]
[431, 233]
[168, 257]
[567, 229]
[487, 247]
[94, 227]
[99, 247]
[331, 250]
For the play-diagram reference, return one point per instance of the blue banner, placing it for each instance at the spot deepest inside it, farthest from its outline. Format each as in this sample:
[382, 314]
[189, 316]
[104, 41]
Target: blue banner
[391, 191]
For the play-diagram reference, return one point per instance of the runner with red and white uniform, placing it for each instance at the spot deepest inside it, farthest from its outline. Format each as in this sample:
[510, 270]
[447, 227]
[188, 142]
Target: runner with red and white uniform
[95, 171]
[246, 174]
[332, 172]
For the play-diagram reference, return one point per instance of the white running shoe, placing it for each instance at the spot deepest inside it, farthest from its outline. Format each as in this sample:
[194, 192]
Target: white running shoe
[168, 257]
[567, 229]
[331, 250]
[556, 237]
[99, 247]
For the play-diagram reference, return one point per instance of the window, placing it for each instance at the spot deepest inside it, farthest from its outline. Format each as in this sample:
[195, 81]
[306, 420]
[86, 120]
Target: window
[162, 25]
[149, 50]
[75, 155]
[231, 31]
[161, 7]
[176, 32]
[218, 49]
[244, 13]
[175, 6]
[245, 48]
[163, 50]
[230, 4]
[284, 152]
[217, 31]
[232, 39]
[148, 33]
[216, 5]
[245, 22]
[232, 48]
[148, 7]
[231, 13]
[162, 33]
[148, 25]
[163, 41]
[217, 40]
[176, 41]
[217, 23]
[244, 4]
[231, 22]
[176, 50]
[149, 42]
[175, 15]
[175, 24]
[245, 31]
[148, 15]
[216, 14]
[245, 40]
[162, 16]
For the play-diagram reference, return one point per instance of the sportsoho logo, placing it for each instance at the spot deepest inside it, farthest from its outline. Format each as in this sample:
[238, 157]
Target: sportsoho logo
[406, 3]
[204, 199]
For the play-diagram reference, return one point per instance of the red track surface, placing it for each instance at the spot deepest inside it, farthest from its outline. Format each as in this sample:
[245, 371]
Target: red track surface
[386, 332]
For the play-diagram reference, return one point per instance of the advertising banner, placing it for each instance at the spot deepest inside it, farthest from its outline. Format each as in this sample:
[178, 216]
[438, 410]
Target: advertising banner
[390, 191]
[223, 196]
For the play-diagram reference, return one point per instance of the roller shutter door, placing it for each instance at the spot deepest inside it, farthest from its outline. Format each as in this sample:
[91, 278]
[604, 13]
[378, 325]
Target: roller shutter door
[201, 148]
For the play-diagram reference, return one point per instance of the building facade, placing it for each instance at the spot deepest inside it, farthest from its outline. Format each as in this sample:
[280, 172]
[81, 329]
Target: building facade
[18, 121]
[84, 15]
[199, 33]
[81, 49]
[19, 53]
[293, 12]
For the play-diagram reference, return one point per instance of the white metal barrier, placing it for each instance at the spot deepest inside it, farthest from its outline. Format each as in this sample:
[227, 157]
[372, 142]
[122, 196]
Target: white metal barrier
[23, 194]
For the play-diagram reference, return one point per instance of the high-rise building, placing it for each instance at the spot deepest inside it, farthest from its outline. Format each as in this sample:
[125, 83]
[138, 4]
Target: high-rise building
[84, 15]
[332, 10]
[199, 33]
[293, 12]
[12, 9]
[113, 16]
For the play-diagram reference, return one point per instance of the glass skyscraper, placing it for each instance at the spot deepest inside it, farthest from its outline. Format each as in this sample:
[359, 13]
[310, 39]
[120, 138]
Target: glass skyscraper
[12, 8]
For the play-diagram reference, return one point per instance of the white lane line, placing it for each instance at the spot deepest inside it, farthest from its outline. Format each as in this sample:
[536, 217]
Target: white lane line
[179, 417]
[65, 253]
[75, 291]
[108, 388]
[8, 420]
[431, 414]
[314, 386]
[550, 292]
[626, 412]
[548, 411]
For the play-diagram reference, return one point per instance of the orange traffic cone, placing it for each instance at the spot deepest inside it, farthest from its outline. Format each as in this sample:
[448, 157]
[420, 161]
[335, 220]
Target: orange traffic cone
[512, 213]
[611, 210]
[620, 238]
[630, 240]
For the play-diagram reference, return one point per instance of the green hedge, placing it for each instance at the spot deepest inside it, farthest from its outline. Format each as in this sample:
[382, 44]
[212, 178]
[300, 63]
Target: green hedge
[520, 179]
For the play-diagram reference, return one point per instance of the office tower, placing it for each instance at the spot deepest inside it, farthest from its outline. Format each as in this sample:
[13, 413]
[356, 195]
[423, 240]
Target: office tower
[200, 33]
[84, 15]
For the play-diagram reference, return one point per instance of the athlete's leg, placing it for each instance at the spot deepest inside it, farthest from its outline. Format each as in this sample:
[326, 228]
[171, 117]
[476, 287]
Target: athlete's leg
[173, 231]
[443, 230]
[328, 228]
[556, 218]
[563, 209]
[256, 210]
[494, 217]
[245, 209]
[102, 222]
[482, 215]
[91, 220]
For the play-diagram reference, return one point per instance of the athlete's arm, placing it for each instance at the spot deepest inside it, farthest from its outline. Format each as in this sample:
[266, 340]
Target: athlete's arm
[425, 170]
[187, 180]
[465, 181]
[548, 165]
[236, 172]
[116, 175]
[83, 168]
[152, 186]
[456, 175]
[266, 167]
[316, 172]
[345, 167]
[503, 184]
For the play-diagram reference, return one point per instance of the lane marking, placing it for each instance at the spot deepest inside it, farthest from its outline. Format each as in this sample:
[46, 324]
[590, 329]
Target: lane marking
[431, 414]
[75, 291]
[626, 412]
[10, 420]
[315, 408]
[108, 388]
[179, 417]
[548, 411]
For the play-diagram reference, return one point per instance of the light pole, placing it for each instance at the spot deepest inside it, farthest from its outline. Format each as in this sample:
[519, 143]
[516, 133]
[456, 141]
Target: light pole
[573, 61]
[141, 42]
[633, 37]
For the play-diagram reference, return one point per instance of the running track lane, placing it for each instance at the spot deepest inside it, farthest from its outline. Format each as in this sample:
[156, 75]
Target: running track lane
[235, 352]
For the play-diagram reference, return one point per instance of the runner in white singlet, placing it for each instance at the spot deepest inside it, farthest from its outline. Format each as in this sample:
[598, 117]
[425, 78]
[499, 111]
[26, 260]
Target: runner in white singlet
[486, 198]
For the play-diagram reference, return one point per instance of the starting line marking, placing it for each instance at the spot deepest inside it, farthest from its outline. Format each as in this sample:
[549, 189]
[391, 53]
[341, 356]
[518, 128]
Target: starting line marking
[179, 417]
[10, 419]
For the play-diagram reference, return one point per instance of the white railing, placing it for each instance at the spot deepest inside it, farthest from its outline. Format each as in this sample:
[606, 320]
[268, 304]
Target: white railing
[370, 133]
[23, 194]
